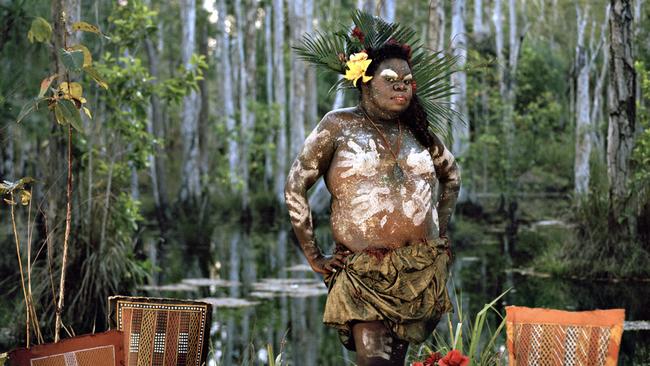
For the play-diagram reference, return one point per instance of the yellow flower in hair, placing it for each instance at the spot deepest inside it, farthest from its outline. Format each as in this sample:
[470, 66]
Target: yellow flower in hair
[356, 67]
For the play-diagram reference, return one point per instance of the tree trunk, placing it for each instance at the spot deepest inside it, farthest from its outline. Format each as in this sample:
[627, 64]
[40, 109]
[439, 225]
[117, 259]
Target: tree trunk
[311, 89]
[191, 176]
[246, 132]
[480, 31]
[297, 91]
[583, 101]
[388, 8]
[228, 96]
[268, 51]
[622, 117]
[436, 26]
[204, 105]
[459, 80]
[280, 98]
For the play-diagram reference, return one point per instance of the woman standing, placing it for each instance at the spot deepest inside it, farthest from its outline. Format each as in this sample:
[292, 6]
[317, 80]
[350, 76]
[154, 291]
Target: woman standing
[382, 165]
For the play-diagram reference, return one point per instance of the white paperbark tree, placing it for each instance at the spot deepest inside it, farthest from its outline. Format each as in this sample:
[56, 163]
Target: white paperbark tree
[228, 95]
[436, 25]
[268, 53]
[296, 77]
[388, 8]
[586, 107]
[191, 176]
[480, 30]
[280, 98]
[459, 81]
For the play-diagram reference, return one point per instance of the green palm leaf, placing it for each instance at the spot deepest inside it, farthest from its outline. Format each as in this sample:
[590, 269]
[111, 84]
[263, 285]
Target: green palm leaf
[322, 50]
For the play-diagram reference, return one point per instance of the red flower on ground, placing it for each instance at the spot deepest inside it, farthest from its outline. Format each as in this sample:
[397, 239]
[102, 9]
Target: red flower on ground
[433, 358]
[356, 32]
[454, 358]
[417, 364]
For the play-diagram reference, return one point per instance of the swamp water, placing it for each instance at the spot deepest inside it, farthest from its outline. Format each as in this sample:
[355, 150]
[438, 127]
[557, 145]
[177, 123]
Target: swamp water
[263, 292]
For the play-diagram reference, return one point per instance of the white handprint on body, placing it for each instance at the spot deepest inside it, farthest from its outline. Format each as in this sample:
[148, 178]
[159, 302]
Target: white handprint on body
[369, 202]
[359, 161]
[420, 203]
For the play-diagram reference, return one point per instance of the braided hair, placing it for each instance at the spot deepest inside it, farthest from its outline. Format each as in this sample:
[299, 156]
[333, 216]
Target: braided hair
[415, 116]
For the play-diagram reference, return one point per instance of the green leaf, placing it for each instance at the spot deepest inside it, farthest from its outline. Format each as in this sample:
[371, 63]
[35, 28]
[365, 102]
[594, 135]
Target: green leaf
[45, 84]
[88, 58]
[95, 75]
[73, 60]
[29, 108]
[41, 31]
[86, 27]
[66, 112]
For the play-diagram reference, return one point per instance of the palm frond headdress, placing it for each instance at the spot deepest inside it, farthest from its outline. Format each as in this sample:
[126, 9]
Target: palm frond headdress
[346, 54]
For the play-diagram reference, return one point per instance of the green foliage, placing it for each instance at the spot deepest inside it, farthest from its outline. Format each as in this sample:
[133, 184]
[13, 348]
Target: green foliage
[41, 31]
[130, 24]
[72, 60]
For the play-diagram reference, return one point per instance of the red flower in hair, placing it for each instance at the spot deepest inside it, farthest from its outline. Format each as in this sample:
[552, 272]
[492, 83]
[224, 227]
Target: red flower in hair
[356, 32]
[433, 359]
[454, 358]
[414, 86]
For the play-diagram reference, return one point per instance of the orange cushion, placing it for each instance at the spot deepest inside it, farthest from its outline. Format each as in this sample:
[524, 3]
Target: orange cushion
[555, 337]
[102, 349]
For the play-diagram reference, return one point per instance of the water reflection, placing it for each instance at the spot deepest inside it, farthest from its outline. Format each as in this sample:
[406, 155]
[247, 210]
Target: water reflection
[264, 293]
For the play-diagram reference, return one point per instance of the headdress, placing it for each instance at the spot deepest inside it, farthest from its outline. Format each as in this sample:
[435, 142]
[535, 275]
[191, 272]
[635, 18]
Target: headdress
[347, 53]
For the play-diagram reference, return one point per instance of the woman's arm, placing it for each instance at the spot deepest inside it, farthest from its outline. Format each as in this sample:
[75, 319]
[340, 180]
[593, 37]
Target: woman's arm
[449, 176]
[311, 163]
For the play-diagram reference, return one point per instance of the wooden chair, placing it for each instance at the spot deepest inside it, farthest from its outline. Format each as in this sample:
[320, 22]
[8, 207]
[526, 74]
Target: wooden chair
[161, 332]
[102, 349]
[545, 337]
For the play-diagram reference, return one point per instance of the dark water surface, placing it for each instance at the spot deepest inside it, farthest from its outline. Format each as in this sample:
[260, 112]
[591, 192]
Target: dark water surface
[264, 293]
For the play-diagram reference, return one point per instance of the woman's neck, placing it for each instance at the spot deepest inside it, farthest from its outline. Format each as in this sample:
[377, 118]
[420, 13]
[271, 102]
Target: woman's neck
[378, 115]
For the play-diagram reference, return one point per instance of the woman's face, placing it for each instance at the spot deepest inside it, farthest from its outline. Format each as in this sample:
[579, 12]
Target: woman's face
[390, 88]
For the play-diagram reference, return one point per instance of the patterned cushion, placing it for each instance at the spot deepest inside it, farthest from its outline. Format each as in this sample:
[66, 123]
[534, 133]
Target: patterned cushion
[102, 349]
[162, 332]
[553, 337]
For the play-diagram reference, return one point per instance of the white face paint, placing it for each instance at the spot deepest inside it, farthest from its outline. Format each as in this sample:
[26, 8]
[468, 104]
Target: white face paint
[420, 163]
[368, 203]
[408, 77]
[389, 74]
[419, 204]
[359, 161]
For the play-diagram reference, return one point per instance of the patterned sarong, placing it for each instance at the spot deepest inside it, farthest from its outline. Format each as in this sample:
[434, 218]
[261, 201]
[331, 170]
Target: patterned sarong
[404, 288]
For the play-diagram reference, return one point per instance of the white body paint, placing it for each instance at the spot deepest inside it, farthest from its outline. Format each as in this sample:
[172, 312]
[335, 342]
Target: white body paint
[298, 207]
[369, 202]
[378, 345]
[359, 161]
[419, 204]
[316, 136]
[420, 163]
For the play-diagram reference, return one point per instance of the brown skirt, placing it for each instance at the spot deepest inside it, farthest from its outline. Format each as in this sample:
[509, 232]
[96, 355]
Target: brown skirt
[405, 288]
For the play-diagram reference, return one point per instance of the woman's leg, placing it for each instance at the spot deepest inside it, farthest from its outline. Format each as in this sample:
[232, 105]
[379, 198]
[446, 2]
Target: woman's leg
[377, 346]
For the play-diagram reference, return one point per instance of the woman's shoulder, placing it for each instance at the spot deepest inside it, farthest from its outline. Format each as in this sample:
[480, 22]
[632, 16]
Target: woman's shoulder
[342, 116]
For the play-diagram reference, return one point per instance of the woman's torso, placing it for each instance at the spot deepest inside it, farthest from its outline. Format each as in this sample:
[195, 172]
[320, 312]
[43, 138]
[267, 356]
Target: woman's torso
[376, 204]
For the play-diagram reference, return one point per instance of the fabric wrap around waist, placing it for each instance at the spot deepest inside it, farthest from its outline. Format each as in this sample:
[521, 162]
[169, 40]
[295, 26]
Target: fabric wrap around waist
[405, 288]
